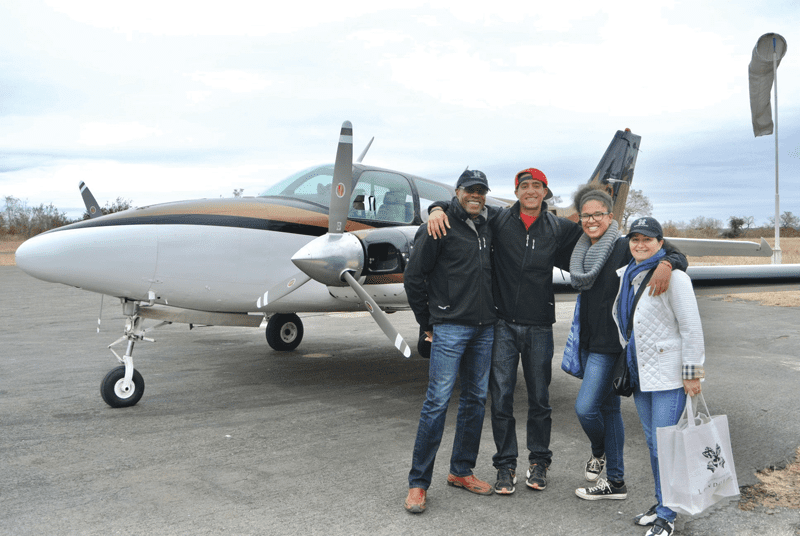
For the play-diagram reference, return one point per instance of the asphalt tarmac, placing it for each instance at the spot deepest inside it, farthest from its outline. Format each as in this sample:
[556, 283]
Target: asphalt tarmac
[234, 438]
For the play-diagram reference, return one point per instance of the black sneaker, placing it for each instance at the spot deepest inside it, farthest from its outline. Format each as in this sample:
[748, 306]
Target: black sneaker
[603, 490]
[661, 527]
[594, 467]
[506, 480]
[537, 477]
[646, 519]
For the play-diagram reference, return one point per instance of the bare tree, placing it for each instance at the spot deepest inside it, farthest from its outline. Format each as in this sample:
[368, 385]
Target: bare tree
[20, 219]
[702, 227]
[237, 192]
[788, 220]
[637, 205]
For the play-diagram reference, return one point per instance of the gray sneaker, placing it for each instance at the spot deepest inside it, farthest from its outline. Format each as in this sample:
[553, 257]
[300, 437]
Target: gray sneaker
[506, 481]
[603, 490]
[537, 477]
[594, 467]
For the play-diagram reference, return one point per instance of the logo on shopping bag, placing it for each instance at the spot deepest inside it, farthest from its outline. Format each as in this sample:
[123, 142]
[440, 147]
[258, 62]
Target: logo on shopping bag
[716, 458]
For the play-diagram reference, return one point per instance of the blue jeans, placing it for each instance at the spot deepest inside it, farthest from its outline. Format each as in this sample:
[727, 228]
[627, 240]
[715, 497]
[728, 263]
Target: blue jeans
[599, 412]
[456, 350]
[657, 409]
[534, 346]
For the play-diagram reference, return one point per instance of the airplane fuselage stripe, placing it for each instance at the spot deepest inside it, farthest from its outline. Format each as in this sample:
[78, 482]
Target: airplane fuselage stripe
[213, 220]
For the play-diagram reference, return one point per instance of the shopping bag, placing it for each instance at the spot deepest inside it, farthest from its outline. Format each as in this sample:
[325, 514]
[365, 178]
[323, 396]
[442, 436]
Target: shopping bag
[571, 362]
[695, 462]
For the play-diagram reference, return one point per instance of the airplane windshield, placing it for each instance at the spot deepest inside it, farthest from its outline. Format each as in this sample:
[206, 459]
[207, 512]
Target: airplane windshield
[312, 184]
[378, 195]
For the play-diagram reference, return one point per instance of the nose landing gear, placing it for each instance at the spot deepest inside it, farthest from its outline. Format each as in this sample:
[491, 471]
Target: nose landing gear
[124, 386]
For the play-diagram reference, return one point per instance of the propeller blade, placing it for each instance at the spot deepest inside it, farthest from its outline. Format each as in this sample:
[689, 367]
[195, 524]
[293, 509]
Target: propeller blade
[92, 208]
[379, 316]
[282, 289]
[342, 186]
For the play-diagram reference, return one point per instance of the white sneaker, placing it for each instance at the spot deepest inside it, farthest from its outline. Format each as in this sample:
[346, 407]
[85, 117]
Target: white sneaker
[594, 467]
[648, 518]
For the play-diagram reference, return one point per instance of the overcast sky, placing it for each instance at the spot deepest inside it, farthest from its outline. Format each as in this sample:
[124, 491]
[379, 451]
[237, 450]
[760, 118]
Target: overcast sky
[157, 101]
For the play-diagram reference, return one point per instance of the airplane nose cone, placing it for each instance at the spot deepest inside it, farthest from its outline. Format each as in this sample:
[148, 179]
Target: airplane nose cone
[29, 258]
[324, 259]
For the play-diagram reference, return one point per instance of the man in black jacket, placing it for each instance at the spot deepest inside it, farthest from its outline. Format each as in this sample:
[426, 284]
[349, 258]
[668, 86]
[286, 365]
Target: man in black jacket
[449, 288]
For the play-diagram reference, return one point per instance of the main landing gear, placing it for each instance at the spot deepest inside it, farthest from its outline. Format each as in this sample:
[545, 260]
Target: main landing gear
[284, 332]
[123, 386]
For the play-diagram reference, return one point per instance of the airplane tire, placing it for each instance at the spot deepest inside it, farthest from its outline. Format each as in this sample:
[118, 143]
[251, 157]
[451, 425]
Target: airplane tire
[284, 332]
[111, 388]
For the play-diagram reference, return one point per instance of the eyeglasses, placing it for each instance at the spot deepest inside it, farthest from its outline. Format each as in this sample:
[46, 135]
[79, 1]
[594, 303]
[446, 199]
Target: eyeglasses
[480, 190]
[596, 216]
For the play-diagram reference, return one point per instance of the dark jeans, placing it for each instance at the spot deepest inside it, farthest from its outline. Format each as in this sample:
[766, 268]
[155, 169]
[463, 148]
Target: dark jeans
[456, 350]
[598, 410]
[533, 345]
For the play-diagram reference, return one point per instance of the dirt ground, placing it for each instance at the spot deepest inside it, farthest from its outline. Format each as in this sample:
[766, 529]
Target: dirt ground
[778, 486]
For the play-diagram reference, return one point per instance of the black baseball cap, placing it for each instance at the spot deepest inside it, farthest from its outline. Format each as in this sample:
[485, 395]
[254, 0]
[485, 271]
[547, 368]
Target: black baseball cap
[471, 177]
[647, 226]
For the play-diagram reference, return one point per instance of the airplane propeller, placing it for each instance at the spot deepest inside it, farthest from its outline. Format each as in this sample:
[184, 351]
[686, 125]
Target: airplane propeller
[333, 258]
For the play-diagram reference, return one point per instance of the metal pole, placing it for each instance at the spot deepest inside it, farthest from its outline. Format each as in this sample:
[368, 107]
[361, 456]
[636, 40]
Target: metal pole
[776, 251]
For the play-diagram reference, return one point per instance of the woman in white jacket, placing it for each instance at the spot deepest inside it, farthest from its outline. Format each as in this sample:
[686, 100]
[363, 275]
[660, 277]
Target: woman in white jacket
[665, 351]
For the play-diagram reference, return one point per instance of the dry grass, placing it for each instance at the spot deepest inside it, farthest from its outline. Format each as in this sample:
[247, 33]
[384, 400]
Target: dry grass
[778, 487]
[7, 249]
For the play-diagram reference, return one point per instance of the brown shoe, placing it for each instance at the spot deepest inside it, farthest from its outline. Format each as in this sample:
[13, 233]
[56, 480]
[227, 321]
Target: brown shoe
[470, 483]
[415, 502]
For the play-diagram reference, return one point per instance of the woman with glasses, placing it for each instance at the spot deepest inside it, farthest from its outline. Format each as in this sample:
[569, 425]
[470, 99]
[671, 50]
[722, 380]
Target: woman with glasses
[593, 271]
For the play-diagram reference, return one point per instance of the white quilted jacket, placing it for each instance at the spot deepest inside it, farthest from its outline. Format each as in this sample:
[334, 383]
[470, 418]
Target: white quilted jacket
[668, 333]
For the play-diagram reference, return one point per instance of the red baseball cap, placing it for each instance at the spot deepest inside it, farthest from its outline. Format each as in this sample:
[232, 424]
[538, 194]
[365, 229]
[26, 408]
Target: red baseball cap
[534, 173]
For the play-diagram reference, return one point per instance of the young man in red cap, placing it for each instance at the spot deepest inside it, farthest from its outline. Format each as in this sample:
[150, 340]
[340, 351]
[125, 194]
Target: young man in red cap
[528, 242]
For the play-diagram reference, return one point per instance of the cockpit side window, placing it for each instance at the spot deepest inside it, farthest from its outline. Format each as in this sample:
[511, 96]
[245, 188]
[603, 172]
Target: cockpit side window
[429, 193]
[382, 196]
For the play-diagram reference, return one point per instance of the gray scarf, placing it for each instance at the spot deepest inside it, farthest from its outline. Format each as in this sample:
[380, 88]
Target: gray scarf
[588, 259]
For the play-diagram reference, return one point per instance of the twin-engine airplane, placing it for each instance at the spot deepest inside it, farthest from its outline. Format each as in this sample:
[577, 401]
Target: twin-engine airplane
[327, 239]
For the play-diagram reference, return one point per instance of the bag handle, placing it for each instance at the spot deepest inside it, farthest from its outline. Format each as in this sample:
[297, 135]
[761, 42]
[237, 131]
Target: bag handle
[694, 411]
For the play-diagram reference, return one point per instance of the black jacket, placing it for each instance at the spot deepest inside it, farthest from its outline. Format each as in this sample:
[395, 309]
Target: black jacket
[449, 280]
[598, 330]
[524, 260]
